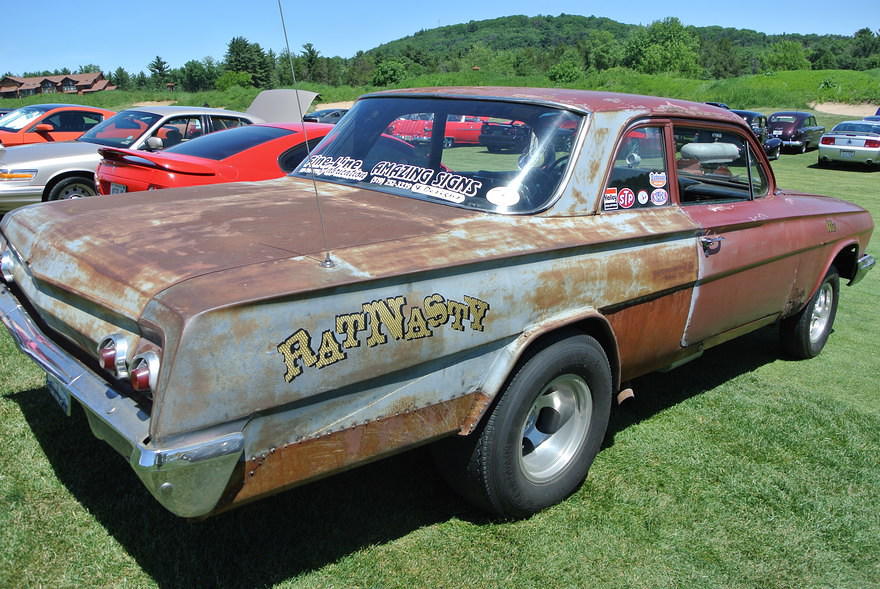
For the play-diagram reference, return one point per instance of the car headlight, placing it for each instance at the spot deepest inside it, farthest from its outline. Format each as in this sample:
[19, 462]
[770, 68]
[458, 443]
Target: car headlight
[17, 175]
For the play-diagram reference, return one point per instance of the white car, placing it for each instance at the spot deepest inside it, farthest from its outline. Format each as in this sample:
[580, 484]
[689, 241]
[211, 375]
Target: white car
[57, 171]
[851, 142]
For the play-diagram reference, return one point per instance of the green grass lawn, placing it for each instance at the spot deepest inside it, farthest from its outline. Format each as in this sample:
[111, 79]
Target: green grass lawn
[741, 469]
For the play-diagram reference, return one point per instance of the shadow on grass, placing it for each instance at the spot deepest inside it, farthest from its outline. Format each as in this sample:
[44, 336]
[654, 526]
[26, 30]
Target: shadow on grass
[846, 167]
[311, 526]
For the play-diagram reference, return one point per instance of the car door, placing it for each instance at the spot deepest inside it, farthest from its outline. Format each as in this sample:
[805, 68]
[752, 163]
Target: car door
[814, 130]
[745, 264]
[66, 125]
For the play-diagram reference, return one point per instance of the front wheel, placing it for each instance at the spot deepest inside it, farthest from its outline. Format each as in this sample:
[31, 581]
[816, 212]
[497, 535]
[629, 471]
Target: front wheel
[804, 334]
[537, 444]
[75, 187]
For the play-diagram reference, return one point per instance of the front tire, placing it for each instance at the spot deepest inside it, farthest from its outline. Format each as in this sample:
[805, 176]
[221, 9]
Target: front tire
[536, 446]
[804, 334]
[74, 187]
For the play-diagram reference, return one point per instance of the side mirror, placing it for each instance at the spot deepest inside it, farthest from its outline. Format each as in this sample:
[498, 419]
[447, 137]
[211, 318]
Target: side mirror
[154, 143]
[44, 128]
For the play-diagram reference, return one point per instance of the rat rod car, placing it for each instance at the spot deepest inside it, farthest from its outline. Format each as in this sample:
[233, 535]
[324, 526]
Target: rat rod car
[234, 340]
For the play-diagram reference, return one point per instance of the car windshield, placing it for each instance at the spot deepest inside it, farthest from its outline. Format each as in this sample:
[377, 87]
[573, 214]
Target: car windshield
[862, 128]
[506, 157]
[218, 146]
[122, 129]
[19, 118]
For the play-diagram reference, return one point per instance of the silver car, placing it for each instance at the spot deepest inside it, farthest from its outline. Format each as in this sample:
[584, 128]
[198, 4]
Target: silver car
[852, 142]
[57, 171]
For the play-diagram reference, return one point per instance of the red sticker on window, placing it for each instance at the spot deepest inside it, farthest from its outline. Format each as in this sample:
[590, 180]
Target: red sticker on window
[626, 198]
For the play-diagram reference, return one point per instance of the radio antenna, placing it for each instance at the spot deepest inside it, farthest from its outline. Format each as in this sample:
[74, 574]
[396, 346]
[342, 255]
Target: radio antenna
[328, 261]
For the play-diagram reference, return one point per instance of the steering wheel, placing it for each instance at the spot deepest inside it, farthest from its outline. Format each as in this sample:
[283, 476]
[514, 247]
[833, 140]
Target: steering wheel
[557, 165]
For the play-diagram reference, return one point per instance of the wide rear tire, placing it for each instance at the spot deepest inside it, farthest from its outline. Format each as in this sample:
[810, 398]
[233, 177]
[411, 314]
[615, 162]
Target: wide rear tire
[535, 447]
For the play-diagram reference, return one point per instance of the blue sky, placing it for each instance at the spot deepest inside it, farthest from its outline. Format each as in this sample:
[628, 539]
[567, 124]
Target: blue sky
[45, 35]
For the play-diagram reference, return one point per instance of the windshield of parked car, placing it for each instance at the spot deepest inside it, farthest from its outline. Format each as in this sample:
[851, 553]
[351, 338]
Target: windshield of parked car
[120, 130]
[218, 146]
[20, 118]
[507, 157]
[861, 128]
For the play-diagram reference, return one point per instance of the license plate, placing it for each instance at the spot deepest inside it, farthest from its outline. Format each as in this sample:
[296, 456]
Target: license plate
[59, 392]
[117, 188]
[845, 153]
[777, 132]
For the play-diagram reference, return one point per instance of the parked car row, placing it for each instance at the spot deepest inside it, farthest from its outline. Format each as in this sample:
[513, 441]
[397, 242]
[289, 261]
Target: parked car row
[58, 170]
[234, 340]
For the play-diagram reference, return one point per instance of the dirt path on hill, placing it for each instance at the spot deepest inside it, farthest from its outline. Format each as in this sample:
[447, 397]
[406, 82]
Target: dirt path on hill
[850, 110]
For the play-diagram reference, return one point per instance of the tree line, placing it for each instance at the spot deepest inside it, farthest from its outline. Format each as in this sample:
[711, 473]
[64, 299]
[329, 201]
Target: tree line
[562, 48]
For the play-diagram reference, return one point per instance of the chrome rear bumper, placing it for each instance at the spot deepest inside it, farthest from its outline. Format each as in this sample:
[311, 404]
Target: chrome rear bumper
[188, 476]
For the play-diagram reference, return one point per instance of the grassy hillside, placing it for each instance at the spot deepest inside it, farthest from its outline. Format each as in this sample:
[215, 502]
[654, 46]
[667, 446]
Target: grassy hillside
[794, 89]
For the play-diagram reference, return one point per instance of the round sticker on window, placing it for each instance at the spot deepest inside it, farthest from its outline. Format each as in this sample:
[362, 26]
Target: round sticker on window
[643, 197]
[503, 196]
[659, 197]
[626, 198]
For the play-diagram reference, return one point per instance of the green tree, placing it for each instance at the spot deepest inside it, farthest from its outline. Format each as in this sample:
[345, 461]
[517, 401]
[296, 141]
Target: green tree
[159, 71]
[665, 46]
[195, 76]
[388, 72]
[89, 68]
[228, 79]
[565, 72]
[244, 56]
[600, 50]
[721, 59]
[121, 78]
[785, 55]
[310, 57]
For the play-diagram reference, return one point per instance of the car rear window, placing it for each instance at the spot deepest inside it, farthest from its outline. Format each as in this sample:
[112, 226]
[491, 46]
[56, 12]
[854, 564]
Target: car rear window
[223, 144]
[782, 119]
[857, 128]
[498, 156]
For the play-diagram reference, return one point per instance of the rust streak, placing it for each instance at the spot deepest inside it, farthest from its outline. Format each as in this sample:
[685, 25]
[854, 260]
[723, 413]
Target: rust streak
[304, 461]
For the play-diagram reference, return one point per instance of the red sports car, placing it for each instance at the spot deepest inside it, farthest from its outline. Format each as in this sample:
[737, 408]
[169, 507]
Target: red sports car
[252, 152]
[42, 123]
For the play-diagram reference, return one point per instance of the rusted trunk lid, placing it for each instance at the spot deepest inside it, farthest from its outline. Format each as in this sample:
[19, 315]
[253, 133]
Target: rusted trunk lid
[121, 251]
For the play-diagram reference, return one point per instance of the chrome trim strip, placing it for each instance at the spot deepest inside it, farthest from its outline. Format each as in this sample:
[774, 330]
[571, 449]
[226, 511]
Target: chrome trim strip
[188, 478]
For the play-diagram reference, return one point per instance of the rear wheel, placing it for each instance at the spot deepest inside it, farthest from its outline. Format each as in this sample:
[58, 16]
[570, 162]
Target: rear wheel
[448, 142]
[804, 334]
[74, 187]
[536, 446]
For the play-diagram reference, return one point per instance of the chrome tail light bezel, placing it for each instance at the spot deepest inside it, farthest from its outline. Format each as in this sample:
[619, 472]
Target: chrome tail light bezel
[151, 360]
[120, 361]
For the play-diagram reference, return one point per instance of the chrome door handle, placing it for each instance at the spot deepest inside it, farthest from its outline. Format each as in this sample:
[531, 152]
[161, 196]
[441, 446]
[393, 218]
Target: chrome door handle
[711, 244]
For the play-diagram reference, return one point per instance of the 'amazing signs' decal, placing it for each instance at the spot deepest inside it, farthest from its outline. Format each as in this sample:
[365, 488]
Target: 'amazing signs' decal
[374, 323]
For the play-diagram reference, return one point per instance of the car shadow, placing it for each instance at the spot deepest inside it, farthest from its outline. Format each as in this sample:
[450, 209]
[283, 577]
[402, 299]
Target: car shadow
[844, 167]
[305, 528]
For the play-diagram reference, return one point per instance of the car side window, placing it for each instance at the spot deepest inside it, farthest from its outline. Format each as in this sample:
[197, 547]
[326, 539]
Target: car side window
[291, 158]
[178, 129]
[219, 122]
[715, 165]
[73, 121]
[639, 173]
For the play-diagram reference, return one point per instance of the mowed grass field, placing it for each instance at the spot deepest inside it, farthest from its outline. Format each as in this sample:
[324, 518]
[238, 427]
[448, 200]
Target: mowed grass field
[741, 469]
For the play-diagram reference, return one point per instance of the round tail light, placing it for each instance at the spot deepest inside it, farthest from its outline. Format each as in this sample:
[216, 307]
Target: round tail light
[112, 355]
[144, 372]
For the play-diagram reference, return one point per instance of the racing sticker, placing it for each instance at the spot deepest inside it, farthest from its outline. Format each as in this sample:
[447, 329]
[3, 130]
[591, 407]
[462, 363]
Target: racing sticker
[626, 198]
[657, 179]
[335, 167]
[659, 197]
[643, 197]
[503, 196]
[374, 324]
[609, 199]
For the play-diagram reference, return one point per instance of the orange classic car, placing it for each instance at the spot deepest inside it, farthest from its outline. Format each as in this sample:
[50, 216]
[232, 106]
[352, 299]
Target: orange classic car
[231, 341]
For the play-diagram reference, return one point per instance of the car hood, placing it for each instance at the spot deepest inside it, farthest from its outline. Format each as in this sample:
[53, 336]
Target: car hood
[41, 152]
[120, 252]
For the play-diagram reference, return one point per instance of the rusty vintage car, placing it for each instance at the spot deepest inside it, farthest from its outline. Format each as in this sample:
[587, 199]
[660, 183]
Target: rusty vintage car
[234, 340]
